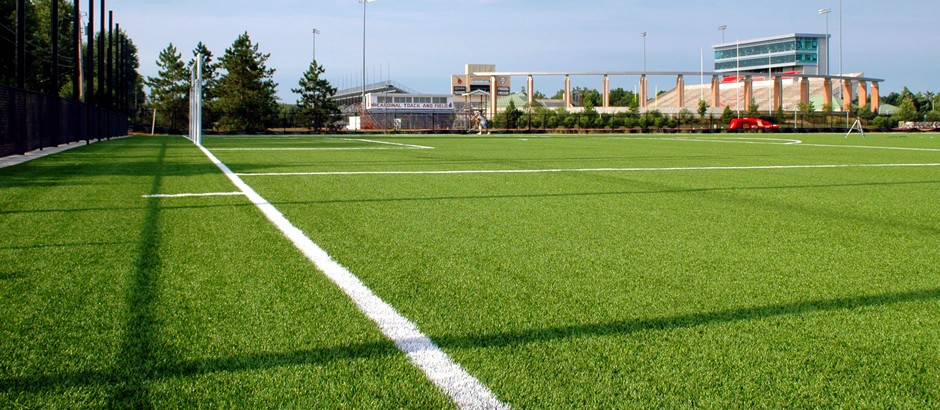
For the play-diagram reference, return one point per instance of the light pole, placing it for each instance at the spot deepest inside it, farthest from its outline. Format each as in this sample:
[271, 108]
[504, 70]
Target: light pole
[362, 101]
[722, 29]
[315, 32]
[840, 38]
[826, 11]
[643, 34]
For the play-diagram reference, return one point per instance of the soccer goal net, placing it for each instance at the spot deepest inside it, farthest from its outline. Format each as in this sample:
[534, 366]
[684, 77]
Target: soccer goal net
[195, 102]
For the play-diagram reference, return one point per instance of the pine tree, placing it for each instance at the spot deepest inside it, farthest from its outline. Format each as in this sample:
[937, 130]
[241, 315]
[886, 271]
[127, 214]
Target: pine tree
[169, 90]
[316, 105]
[246, 92]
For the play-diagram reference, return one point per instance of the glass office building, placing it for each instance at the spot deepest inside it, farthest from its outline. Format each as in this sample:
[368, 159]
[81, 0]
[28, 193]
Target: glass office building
[792, 53]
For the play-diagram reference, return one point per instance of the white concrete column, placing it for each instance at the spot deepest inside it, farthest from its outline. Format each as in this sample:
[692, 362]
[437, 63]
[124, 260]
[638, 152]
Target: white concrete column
[491, 112]
[862, 94]
[680, 91]
[606, 97]
[567, 90]
[531, 87]
[716, 92]
[846, 94]
[643, 94]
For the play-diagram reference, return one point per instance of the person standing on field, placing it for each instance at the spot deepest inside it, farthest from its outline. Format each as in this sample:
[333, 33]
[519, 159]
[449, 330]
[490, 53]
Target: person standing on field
[481, 123]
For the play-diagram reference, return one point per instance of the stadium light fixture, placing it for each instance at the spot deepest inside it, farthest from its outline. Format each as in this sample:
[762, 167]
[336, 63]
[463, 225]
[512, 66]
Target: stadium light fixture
[315, 32]
[826, 12]
[362, 101]
[722, 29]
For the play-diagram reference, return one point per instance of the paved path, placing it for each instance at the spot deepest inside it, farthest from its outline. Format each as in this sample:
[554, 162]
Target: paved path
[12, 160]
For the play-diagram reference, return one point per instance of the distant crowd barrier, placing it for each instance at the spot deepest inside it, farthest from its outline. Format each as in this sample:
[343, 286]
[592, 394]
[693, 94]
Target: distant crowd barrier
[31, 120]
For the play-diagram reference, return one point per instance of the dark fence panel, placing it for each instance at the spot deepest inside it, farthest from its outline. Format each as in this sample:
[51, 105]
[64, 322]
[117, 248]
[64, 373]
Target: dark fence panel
[30, 120]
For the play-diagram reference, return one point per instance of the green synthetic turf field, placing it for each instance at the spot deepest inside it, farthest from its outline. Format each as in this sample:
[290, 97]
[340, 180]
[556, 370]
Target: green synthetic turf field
[605, 271]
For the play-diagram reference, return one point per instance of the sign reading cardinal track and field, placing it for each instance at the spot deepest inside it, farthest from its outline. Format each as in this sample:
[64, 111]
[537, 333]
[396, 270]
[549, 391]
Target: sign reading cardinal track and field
[410, 102]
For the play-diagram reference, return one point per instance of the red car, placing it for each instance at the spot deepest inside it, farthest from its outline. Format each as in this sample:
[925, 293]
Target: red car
[752, 124]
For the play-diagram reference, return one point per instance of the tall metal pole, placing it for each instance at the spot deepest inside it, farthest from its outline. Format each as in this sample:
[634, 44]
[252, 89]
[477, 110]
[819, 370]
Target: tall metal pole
[840, 38]
[77, 58]
[109, 82]
[722, 29]
[90, 75]
[102, 98]
[826, 12]
[20, 44]
[643, 34]
[102, 90]
[362, 100]
[118, 75]
[315, 32]
[54, 20]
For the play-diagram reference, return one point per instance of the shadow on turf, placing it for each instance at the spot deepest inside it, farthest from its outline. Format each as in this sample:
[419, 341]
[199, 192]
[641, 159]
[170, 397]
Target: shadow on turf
[141, 367]
[135, 358]
[85, 165]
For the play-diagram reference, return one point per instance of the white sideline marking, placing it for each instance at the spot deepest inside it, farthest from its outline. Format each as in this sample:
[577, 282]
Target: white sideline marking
[194, 195]
[303, 149]
[733, 140]
[387, 143]
[542, 171]
[464, 389]
[871, 147]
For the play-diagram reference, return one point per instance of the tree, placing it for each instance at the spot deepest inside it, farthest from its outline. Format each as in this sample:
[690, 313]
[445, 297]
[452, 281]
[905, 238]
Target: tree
[727, 115]
[702, 109]
[247, 93]
[622, 98]
[589, 97]
[512, 115]
[907, 111]
[685, 117]
[317, 107]
[39, 58]
[753, 111]
[169, 89]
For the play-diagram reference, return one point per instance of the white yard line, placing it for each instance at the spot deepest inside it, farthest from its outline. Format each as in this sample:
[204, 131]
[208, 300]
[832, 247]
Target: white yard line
[387, 143]
[464, 389]
[558, 170]
[732, 140]
[195, 195]
[305, 149]
[871, 147]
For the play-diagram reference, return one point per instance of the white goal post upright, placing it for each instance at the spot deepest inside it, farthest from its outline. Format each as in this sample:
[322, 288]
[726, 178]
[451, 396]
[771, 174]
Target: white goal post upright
[195, 102]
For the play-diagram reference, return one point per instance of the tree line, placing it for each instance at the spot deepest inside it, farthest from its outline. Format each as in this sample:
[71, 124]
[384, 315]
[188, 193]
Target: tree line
[40, 58]
[239, 92]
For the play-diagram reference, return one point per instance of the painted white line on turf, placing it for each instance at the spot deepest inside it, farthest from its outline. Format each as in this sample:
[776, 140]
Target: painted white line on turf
[195, 195]
[464, 389]
[387, 143]
[770, 141]
[304, 149]
[559, 170]
[727, 140]
[871, 147]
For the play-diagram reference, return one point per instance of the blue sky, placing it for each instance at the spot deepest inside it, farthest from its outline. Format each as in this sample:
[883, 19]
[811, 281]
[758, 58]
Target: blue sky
[420, 43]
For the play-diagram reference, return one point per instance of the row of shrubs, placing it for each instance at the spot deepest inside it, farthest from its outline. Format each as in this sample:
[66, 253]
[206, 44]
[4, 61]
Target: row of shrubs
[543, 118]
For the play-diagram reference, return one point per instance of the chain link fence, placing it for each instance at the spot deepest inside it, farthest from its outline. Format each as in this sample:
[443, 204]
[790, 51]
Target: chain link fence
[31, 120]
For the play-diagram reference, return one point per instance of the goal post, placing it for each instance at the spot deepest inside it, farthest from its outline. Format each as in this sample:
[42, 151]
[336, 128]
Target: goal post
[195, 102]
